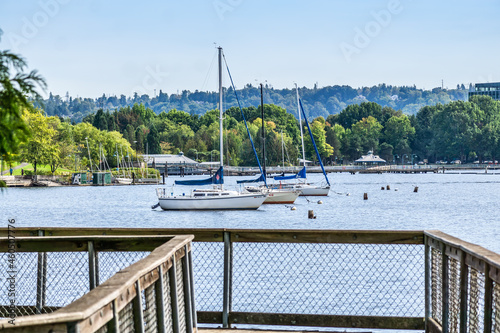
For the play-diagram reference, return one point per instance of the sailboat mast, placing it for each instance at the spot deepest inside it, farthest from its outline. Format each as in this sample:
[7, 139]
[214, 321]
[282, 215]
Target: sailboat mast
[263, 133]
[282, 151]
[300, 124]
[220, 107]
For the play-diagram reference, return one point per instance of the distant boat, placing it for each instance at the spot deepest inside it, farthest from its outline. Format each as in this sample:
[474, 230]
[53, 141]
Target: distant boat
[301, 184]
[216, 198]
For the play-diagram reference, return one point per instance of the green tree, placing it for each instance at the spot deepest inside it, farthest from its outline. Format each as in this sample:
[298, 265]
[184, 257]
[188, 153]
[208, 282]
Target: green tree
[153, 140]
[40, 148]
[16, 90]
[397, 133]
[367, 133]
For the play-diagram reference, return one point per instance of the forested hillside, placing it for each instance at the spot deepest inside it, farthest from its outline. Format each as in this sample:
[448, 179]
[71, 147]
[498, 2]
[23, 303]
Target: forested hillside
[317, 101]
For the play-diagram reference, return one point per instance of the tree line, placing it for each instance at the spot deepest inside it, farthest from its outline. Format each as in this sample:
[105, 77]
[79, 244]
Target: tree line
[459, 130]
[322, 101]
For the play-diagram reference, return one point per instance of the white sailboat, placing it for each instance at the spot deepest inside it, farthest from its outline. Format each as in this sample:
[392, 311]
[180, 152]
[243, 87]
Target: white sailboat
[301, 184]
[216, 198]
[122, 179]
[276, 195]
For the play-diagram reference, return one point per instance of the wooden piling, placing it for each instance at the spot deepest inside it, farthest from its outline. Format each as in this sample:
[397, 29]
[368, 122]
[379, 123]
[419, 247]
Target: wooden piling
[365, 196]
[311, 214]
[388, 187]
[415, 190]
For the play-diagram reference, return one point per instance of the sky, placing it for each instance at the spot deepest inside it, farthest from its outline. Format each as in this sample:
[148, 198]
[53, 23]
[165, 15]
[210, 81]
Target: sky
[94, 47]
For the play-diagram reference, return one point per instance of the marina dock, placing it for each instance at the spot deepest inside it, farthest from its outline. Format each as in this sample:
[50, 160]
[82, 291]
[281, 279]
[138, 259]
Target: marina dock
[175, 280]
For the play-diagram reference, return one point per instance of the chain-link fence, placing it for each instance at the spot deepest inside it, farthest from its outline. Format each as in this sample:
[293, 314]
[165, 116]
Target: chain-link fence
[151, 295]
[364, 279]
[463, 285]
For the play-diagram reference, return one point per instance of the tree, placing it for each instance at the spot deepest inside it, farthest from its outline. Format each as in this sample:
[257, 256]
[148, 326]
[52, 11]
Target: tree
[397, 133]
[153, 140]
[367, 132]
[39, 148]
[15, 92]
[319, 135]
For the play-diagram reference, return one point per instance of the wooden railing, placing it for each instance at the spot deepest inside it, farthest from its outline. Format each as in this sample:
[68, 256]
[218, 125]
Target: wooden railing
[335, 278]
[152, 293]
[462, 286]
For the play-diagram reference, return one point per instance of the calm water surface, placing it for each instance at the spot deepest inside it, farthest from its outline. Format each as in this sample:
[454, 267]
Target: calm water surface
[463, 205]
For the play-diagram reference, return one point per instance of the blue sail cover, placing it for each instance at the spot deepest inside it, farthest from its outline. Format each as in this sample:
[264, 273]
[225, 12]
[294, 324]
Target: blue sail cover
[260, 179]
[300, 174]
[218, 178]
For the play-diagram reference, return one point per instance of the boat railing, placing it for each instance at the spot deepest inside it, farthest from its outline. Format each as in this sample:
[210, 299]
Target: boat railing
[421, 280]
[98, 284]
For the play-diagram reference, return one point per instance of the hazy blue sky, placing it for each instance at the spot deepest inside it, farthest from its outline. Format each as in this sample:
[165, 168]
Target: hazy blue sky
[117, 47]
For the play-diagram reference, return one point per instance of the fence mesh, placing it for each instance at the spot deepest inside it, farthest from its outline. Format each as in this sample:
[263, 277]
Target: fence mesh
[149, 309]
[126, 318]
[180, 296]
[496, 308]
[339, 279]
[208, 270]
[476, 301]
[112, 262]
[167, 303]
[454, 294]
[436, 283]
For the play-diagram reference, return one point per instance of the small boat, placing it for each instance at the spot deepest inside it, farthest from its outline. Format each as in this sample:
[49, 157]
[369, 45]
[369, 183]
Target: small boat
[216, 198]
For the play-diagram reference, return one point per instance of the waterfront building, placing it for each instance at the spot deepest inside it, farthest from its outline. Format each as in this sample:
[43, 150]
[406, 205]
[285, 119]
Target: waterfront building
[486, 89]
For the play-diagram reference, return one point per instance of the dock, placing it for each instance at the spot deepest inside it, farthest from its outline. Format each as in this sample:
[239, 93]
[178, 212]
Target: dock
[179, 280]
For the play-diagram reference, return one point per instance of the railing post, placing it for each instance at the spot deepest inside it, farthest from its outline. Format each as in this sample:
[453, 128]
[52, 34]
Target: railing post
[41, 281]
[191, 278]
[428, 277]
[173, 296]
[92, 266]
[464, 292]
[114, 324]
[137, 306]
[187, 291]
[160, 305]
[228, 279]
[488, 299]
[445, 291]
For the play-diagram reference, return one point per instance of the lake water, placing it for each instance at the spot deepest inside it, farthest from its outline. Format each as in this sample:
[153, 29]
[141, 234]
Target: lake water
[463, 205]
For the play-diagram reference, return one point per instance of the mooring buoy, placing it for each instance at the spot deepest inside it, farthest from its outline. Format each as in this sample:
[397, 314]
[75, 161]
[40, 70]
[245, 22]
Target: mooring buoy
[320, 202]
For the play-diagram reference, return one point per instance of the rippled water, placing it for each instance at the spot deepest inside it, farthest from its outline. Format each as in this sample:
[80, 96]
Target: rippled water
[463, 205]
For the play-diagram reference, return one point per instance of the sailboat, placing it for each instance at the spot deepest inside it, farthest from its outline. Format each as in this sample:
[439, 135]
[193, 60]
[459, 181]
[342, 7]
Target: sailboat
[306, 188]
[216, 198]
[276, 195]
[121, 179]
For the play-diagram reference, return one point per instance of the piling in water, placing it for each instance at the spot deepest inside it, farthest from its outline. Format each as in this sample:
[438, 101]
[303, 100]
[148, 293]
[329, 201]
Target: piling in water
[415, 190]
[365, 196]
[311, 214]
[388, 187]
